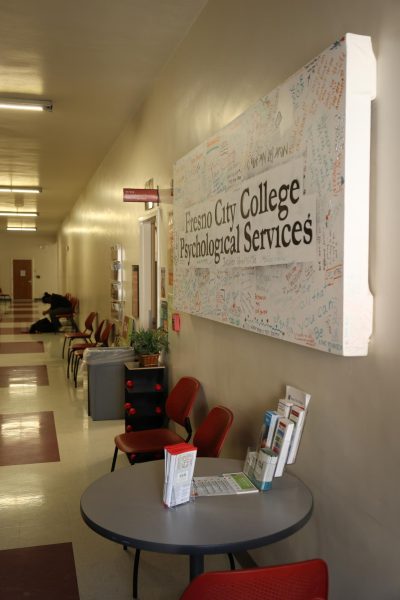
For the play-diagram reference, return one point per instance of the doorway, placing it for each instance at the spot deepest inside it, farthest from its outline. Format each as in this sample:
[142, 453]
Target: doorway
[149, 317]
[22, 279]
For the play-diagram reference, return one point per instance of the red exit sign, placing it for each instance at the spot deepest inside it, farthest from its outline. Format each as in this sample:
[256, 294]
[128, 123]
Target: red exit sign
[140, 195]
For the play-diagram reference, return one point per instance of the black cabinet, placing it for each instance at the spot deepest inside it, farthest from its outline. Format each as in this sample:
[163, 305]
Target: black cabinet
[145, 395]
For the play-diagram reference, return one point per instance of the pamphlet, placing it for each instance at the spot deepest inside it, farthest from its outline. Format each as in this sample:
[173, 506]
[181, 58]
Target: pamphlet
[297, 415]
[284, 407]
[297, 397]
[250, 462]
[264, 469]
[179, 468]
[279, 439]
[281, 443]
[223, 485]
[271, 418]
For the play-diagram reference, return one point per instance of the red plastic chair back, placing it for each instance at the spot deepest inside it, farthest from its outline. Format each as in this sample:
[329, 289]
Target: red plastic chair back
[211, 434]
[89, 322]
[181, 399]
[97, 333]
[307, 580]
[105, 336]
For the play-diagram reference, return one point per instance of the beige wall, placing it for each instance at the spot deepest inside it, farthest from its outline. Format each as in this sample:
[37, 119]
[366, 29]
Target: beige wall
[350, 453]
[42, 250]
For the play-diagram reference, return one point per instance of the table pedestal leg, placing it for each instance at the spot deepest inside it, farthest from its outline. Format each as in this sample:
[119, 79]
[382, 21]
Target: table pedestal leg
[196, 565]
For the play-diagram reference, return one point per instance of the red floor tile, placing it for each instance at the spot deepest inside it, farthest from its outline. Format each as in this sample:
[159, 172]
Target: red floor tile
[21, 309]
[14, 376]
[38, 573]
[28, 438]
[18, 319]
[11, 330]
[28, 315]
[20, 347]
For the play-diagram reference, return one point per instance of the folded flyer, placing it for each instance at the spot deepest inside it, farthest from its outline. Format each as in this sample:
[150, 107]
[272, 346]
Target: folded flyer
[223, 485]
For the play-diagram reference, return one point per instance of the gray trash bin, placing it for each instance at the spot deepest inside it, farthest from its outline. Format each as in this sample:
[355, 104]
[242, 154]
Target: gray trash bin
[105, 376]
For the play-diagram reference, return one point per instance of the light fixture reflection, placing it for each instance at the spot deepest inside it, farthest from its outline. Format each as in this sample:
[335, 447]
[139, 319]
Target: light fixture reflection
[20, 189]
[10, 228]
[26, 386]
[24, 429]
[26, 104]
[13, 213]
[21, 500]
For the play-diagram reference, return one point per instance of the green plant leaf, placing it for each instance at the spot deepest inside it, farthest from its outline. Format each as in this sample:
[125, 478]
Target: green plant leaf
[149, 341]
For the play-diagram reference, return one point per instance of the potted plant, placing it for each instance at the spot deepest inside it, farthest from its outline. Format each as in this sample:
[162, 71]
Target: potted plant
[148, 343]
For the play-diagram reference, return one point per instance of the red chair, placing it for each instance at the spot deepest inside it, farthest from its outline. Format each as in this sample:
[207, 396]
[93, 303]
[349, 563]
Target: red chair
[141, 446]
[78, 351]
[86, 334]
[307, 580]
[209, 439]
[71, 313]
[210, 435]
[71, 349]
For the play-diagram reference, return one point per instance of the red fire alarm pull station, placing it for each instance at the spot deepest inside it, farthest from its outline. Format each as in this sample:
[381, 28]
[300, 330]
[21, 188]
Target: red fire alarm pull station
[176, 322]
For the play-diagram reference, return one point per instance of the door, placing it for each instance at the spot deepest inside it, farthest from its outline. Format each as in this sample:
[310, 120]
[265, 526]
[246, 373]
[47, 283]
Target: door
[150, 280]
[22, 279]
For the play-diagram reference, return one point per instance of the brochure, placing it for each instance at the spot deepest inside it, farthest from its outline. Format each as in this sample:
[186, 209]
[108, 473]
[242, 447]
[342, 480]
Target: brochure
[179, 466]
[281, 443]
[298, 415]
[223, 485]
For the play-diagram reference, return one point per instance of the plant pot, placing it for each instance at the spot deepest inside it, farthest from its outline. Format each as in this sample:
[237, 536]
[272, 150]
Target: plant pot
[148, 360]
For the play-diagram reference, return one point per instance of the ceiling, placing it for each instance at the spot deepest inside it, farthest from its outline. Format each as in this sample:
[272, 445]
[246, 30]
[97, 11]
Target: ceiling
[96, 60]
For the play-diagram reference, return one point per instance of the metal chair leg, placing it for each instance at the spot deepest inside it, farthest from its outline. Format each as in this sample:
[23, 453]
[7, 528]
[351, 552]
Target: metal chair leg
[114, 458]
[76, 368]
[136, 572]
[70, 363]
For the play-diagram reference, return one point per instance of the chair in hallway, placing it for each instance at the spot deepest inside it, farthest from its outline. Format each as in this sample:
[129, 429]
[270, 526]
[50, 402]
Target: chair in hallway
[5, 297]
[85, 334]
[78, 352]
[307, 580]
[74, 347]
[211, 434]
[208, 439]
[141, 446]
[70, 314]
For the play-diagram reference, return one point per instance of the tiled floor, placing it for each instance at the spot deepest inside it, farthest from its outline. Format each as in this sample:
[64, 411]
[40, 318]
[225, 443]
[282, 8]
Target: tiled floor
[8, 330]
[39, 501]
[28, 438]
[20, 318]
[20, 347]
[23, 376]
[48, 572]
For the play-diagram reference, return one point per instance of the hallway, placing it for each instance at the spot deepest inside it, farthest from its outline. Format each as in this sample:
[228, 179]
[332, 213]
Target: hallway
[50, 451]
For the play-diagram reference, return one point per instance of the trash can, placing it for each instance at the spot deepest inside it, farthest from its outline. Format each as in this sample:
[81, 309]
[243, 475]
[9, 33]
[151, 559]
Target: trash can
[105, 378]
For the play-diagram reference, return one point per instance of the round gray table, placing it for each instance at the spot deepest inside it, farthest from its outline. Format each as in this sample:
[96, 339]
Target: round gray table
[126, 506]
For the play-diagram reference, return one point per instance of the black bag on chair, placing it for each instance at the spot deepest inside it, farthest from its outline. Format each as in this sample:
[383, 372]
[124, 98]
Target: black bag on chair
[42, 326]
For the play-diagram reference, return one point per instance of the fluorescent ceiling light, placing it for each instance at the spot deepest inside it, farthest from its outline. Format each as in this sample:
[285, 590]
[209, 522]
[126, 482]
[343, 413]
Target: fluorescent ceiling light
[14, 213]
[10, 228]
[26, 104]
[20, 189]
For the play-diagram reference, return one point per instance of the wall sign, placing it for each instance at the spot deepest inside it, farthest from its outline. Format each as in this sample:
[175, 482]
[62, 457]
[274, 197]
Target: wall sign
[140, 195]
[271, 213]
